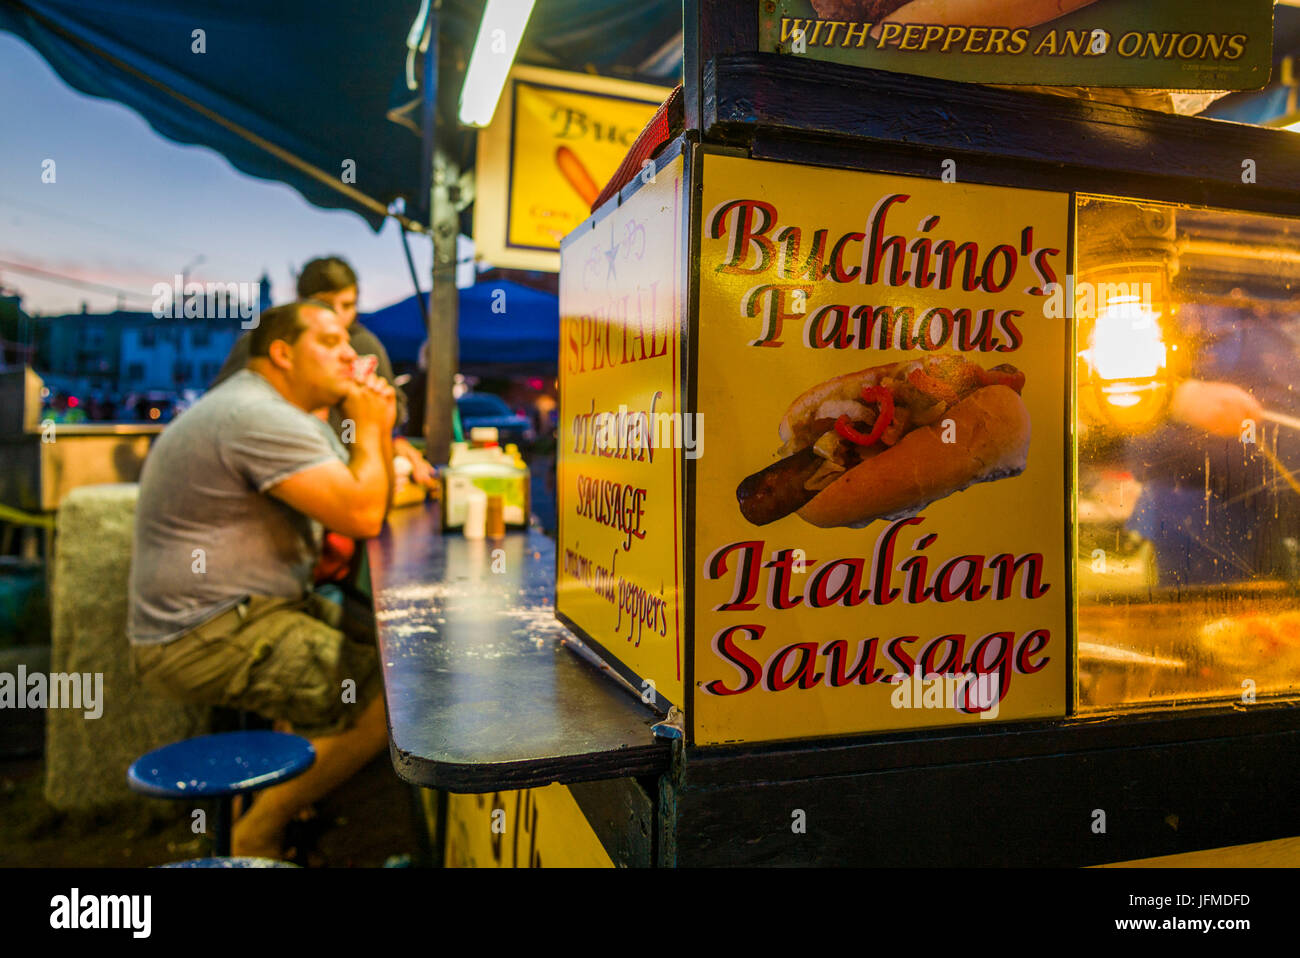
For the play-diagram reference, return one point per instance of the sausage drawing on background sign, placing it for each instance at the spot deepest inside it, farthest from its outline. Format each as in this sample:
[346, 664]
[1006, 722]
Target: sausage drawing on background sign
[576, 174]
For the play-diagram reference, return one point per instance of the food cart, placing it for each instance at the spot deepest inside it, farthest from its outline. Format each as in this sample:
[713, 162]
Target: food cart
[1016, 596]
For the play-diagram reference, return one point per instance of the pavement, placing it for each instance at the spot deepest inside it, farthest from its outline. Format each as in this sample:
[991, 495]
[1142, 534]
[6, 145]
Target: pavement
[365, 823]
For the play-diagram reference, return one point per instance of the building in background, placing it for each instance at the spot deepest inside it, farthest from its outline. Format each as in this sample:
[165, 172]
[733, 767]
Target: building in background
[174, 355]
[111, 360]
[15, 330]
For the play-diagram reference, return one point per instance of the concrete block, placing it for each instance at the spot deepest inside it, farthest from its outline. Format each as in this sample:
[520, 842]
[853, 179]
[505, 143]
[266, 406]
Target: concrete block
[86, 759]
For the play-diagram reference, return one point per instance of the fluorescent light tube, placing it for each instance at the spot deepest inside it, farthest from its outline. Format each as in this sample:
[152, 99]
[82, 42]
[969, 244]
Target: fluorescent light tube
[504, 22]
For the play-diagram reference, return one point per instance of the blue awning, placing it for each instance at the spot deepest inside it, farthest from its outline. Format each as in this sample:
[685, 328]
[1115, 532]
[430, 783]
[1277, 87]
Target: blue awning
[500, 322]
[312, 80]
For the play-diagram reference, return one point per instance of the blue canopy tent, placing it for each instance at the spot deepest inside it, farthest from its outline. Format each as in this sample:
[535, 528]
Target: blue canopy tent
[500, 322]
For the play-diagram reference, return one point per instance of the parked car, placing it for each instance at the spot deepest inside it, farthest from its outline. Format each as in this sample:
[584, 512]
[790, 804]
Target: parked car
[152, 406]
[486, 409]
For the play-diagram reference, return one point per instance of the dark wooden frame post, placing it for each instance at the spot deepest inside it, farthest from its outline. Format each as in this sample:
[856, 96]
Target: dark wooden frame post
[441, 149]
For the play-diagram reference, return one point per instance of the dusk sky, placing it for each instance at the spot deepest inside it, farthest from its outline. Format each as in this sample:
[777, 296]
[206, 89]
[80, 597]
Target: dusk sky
[130, 208]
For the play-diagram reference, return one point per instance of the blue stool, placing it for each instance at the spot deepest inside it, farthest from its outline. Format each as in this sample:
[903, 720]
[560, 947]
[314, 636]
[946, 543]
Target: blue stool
[230, 863]
[221, 766]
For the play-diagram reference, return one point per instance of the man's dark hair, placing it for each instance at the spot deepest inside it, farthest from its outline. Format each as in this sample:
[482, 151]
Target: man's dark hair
[280, 322]
[329, 274]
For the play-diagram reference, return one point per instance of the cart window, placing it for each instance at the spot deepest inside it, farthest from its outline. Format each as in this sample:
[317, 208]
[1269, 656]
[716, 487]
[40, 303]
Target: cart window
[1188, 424]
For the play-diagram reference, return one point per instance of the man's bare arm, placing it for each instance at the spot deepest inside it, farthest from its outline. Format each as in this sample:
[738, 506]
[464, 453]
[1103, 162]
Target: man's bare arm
[351, 500]
[387, 452]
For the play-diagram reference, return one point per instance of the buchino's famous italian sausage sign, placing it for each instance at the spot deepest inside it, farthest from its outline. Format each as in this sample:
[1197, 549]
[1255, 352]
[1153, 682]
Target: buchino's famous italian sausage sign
[622, 433]
[880, 536]
[1161, 44]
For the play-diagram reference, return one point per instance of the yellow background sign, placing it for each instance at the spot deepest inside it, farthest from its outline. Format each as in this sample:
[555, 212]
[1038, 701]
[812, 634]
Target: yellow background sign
[528, 828]
[618, 560]
[554, 143]
[786, 262]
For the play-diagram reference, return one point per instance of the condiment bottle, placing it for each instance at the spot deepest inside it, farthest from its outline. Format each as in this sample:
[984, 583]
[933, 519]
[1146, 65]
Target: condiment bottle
[496, 517]
[475, 513]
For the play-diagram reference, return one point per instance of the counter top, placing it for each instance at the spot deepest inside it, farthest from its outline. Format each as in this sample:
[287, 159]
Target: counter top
[482, 693]
[65, 429]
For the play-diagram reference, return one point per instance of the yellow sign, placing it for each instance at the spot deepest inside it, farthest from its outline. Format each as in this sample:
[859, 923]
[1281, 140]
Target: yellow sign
[622, 434]
[547, 155]
[529, 828]
[880, 540]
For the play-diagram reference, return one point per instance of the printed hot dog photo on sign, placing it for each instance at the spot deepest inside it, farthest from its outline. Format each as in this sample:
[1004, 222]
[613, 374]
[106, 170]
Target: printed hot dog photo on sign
[870, 445]
[881, 540]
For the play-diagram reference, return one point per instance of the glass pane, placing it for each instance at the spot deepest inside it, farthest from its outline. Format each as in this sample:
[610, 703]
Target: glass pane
[1189, 443]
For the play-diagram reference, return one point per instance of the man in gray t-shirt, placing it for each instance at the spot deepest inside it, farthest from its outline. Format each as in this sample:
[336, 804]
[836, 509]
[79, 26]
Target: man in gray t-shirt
[208, 535]
[233, 498]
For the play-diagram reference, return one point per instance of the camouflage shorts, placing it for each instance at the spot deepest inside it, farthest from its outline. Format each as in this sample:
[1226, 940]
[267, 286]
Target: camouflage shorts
[281, 658]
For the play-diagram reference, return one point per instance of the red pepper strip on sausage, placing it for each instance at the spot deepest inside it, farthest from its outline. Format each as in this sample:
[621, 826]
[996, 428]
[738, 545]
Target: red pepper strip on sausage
[846, 431]
[869, 394]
